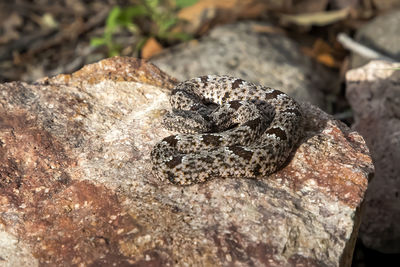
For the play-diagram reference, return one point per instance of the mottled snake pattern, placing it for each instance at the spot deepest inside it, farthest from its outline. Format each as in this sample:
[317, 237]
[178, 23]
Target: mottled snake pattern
[228, 128]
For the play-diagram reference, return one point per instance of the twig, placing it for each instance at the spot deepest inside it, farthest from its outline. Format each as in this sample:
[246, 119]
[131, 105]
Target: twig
[38, 42]
[361, 49]
[26, 8]
[24, 42]
[64, 35]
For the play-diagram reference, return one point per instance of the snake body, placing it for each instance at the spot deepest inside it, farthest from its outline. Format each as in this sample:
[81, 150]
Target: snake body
[228, 128]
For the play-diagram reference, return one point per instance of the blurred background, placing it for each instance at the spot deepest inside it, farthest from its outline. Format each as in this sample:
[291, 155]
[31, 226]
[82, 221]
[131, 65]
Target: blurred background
[40, 38]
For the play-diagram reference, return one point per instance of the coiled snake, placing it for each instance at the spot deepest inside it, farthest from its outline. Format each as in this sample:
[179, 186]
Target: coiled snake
[228, 128]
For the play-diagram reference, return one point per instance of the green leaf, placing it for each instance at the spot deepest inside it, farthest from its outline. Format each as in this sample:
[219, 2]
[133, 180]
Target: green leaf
[185, 3]
[128, 14]
[182, 36]
[97, 41]
[113, 53]
[167, 24]
[141, 43]
[158, 12]
[133, 28]
[153, 4]
[113, 49]
[112, 19]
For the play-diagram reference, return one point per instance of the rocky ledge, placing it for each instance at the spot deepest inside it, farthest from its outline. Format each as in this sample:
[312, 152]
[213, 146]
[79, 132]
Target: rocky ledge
[76, 186]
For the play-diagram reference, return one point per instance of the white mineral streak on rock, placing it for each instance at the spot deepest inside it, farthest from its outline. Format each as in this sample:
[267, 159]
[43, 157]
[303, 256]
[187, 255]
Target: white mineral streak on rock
[15, 253]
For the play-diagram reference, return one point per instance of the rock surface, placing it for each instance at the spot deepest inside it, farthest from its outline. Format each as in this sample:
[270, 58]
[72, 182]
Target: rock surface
[374, 94]
[253, 52]
[381, 34]
[76, 186]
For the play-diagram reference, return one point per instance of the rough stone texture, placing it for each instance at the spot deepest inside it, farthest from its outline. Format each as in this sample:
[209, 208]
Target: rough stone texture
[246, 50]
[76, 186]
[374, 94]
[381, 34]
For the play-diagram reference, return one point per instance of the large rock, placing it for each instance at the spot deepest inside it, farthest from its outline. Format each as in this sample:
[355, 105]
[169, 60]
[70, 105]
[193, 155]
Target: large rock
[381, 34]
[374, 94]
[253, 52]
[76, 186]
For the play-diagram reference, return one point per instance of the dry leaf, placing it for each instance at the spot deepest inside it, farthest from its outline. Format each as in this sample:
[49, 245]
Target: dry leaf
[315, 19]
[328, 60]
[205, 14]
[151, 48]
[323, 53]
[267, 29]
[9, 26]
[48, 21]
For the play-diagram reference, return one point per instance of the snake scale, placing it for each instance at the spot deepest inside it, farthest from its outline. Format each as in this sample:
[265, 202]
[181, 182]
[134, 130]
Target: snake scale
[228, 128]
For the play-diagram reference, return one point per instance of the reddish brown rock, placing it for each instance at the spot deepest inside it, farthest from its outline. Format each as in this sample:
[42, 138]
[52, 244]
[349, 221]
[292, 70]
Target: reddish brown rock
[374, 94]
[76, 186]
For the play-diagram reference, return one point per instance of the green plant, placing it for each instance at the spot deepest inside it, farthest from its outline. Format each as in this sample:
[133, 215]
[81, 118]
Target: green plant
[160, 14]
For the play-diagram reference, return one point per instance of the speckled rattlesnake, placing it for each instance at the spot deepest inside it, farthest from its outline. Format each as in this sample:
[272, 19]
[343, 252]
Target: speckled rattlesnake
[229, 128]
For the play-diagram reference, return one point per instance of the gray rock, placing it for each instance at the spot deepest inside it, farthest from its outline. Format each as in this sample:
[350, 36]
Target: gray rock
[76, 186]
[374, 94]
[381, 34]
[244, 50]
